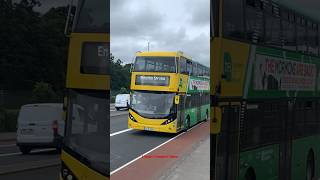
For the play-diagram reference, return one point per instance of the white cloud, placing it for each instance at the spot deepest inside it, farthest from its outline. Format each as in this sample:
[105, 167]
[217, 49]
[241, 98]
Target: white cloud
[168, 25]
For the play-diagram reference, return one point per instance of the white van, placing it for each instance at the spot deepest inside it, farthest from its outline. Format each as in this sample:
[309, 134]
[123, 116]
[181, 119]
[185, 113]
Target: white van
[40, 126]
[122, 101]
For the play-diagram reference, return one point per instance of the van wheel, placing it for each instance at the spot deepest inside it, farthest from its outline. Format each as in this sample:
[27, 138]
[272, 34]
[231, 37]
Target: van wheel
[117, 108]
[25, 149]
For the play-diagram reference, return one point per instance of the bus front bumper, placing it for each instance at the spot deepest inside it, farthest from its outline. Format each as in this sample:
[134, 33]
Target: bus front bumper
[168, 128]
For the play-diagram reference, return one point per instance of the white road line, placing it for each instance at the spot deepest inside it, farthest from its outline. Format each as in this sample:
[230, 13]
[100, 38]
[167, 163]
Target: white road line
[19, 153]
[10, 154]
[118, 113]
[7, 145]
[130, 162]
[119, 132]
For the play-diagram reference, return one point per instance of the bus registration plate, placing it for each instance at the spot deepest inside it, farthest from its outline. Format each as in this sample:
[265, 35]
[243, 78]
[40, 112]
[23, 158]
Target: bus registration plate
[148, 129]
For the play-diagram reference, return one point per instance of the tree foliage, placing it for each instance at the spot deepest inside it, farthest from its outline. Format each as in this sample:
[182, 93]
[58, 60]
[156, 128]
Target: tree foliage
[43, 92]
[120, 74]
[32, 47]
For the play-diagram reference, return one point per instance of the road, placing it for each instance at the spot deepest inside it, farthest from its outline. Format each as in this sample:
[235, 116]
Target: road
[40, 164]
[48, 173]
[126, 146]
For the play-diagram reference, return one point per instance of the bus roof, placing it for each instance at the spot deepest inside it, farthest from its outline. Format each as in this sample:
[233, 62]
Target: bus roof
[163, 53]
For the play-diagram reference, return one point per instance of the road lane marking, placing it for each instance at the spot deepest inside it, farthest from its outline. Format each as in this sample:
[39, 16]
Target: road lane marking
[7, 145]
[119, 132]
[117, 113]
[28, 166]
[33, 151]
[130, 162]
[10, 154]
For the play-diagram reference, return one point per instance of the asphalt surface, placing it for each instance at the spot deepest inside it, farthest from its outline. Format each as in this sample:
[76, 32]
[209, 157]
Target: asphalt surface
[39, 164]
[125, 146]
[132, 144]
[119, 121]
[8, 147]
[48, 173]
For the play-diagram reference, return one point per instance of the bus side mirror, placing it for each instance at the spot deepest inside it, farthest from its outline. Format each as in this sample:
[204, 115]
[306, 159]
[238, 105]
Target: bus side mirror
[176, 99]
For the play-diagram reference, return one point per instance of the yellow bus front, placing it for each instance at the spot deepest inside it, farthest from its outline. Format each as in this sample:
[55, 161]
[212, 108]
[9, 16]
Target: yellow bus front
[155, 85]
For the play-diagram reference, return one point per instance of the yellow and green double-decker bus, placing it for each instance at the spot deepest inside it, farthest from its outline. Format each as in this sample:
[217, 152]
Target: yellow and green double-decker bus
[265, 91]
[169, 92]
[85, 150]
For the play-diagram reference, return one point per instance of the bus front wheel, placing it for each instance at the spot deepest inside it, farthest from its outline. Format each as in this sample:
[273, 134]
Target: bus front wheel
[188, 123]
[207, 116]
[310, 166]
[250, 175]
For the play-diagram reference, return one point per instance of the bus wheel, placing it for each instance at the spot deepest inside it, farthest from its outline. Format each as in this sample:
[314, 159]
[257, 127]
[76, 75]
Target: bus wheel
[250, 175]
[188, 123]
[310, 166]
[207, 116]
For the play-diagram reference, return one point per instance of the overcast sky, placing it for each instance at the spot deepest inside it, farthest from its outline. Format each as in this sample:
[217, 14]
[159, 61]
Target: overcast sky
[169, 25]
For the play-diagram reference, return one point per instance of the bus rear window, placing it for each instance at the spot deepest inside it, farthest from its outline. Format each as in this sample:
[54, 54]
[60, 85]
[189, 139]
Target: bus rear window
[155, 64]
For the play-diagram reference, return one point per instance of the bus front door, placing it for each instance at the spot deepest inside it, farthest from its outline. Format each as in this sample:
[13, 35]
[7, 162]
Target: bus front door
[180, 117]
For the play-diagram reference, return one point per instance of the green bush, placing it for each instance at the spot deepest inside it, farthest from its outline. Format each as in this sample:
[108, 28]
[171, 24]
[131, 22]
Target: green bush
[43, 93]
[8, 120]
[113, 99]
[2, 119]
[123, 90]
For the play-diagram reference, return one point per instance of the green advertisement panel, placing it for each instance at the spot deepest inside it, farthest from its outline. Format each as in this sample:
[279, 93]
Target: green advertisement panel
[277, 73]
[198, 84]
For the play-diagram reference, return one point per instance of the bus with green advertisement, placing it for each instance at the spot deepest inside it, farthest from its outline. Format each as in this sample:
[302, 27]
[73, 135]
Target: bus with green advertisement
[169, 92]
[265, 91]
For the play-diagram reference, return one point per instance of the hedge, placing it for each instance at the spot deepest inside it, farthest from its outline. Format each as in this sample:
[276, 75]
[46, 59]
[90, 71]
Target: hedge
[8, 120]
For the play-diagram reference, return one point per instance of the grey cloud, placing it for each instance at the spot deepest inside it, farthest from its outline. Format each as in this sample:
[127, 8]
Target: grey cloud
[125, 22]
[200, 12]
[167, 28]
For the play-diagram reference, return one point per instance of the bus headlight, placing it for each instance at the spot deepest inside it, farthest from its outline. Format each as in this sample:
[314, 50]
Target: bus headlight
[168, 121]
[66, 173]
[69, 177]
[132, 118]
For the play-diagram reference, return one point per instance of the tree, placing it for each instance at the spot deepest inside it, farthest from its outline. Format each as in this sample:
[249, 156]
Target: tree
[120, 74]
[43, 92]
[32, 46]
[123, 90]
